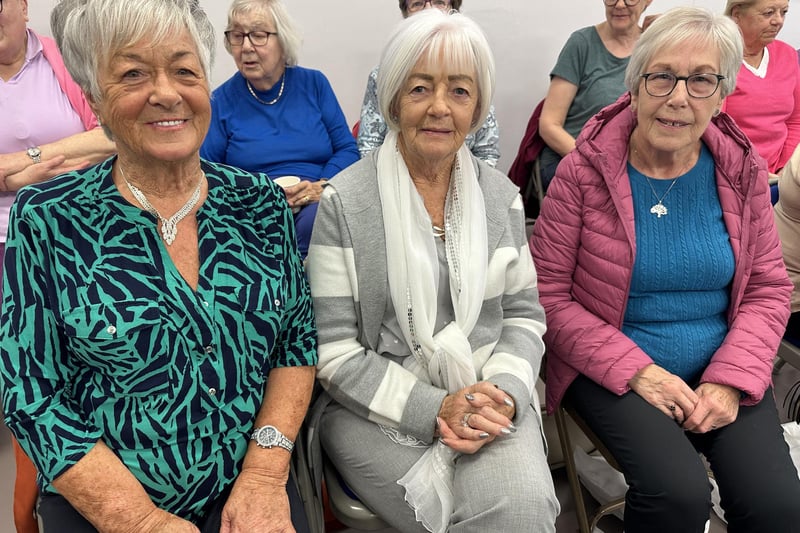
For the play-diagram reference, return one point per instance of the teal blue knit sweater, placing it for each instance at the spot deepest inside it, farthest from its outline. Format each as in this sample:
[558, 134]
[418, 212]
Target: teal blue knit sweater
[684, 265]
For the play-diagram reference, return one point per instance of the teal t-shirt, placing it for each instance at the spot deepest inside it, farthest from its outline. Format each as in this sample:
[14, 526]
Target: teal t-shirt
[599, 76]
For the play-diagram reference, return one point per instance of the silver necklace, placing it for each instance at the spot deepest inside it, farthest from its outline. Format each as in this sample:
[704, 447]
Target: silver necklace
[659, 209]
[273, 101]
[169, 226]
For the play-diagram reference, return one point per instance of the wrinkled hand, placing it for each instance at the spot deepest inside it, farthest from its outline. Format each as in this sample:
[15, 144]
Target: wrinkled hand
[718, 406]
[665, 391]
[160, 521]
[304, 193]
[38, 172]
[258, 503]
[474, 416]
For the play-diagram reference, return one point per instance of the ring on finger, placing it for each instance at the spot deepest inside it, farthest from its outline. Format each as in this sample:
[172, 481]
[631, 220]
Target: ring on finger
[671, 407]
[465, 420]
[307, 198]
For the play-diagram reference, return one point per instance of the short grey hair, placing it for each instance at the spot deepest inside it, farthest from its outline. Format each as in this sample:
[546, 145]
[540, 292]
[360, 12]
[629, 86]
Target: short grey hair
[288, 34]
[58, 18]
[683, 25]
[451, 39]
[95, 30]
[730, 4]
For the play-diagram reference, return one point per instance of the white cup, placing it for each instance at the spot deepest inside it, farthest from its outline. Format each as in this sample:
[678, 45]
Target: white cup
[288, 181]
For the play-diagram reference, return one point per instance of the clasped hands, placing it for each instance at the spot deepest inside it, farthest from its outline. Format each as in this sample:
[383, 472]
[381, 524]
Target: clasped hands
[708, 407]
[474, 416]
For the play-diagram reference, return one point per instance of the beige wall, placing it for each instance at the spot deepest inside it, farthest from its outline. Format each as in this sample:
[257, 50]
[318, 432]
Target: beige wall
[343, 38]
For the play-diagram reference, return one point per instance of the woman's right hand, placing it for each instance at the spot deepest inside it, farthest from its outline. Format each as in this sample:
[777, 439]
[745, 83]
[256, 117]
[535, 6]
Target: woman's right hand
[474, 416]
[665, 391]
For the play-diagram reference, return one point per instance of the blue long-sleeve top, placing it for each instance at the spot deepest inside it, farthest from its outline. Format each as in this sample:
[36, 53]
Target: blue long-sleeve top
[304, 133]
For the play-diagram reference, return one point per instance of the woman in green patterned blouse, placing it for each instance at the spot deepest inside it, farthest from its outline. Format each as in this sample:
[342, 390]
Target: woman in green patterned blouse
[158, 338]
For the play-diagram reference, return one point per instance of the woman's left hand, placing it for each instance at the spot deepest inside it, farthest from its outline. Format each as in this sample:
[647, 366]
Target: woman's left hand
[718, 406]
[258, 502]
[304, 193]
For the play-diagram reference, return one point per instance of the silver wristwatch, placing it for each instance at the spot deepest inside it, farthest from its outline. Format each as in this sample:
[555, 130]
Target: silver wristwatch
[35, 153]
[269, 436]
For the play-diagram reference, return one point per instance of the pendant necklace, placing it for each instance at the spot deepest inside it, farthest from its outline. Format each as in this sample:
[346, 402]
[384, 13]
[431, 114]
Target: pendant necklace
[169, 226]
[273, 101]
[659, 209]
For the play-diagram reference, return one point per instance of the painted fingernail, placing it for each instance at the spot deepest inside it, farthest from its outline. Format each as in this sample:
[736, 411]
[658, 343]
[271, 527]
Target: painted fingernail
[484, 435]
[469, 397]
[512, 428]
[509, 402]
[505, 431]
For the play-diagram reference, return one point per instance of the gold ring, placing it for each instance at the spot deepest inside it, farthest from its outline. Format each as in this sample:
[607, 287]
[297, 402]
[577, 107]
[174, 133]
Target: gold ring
[307, 198]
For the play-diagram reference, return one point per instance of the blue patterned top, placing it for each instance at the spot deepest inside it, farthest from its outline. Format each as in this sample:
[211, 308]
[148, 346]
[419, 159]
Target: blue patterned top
[103, 339]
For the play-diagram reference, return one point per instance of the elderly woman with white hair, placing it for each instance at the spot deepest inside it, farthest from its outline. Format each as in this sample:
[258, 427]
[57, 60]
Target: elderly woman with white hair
[274, 116]
[158, 335]
[661, 274]
[429, 324]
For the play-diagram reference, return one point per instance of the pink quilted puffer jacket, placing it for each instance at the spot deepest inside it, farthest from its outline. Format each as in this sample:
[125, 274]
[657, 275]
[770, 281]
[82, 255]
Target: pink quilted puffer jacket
[584, 246]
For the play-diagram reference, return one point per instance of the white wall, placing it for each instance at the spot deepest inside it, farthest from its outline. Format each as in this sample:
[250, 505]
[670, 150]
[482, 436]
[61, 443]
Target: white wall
[343, 38]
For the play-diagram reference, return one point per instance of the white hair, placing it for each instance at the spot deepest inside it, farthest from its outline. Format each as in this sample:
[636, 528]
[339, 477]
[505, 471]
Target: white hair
[683, 25]
[285, 27]
[451, 40]
[94, 30]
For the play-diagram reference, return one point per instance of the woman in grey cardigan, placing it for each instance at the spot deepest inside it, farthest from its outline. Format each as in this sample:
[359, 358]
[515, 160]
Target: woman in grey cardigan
[430, 328]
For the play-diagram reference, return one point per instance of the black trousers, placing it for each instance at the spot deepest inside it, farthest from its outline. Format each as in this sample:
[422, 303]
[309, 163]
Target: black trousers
[793, 328]
[58, 516]
[669, 489]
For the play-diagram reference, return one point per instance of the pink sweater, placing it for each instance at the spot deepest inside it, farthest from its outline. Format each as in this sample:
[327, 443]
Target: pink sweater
[768, 109]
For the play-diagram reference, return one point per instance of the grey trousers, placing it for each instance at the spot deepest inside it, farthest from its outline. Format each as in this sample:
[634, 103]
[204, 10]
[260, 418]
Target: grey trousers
[506, 486]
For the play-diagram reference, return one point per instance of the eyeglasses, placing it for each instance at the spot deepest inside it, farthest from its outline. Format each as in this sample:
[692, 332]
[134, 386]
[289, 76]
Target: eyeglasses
[1, 6]
[417, 5]
[697, 85]
[612, 3]
[257, 38]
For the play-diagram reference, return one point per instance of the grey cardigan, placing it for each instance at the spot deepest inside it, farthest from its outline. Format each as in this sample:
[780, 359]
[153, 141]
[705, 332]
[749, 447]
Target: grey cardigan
[348, 277]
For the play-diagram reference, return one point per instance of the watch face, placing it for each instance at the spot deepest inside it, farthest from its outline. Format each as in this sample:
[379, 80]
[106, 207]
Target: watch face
[267, 436]
[270, 435]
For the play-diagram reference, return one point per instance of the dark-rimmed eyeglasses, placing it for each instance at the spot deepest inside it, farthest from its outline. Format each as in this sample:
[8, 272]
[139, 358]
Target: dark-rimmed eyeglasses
[257, 38]
[417, 5]
[612, 3]
[1, 6]
[660, 84]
